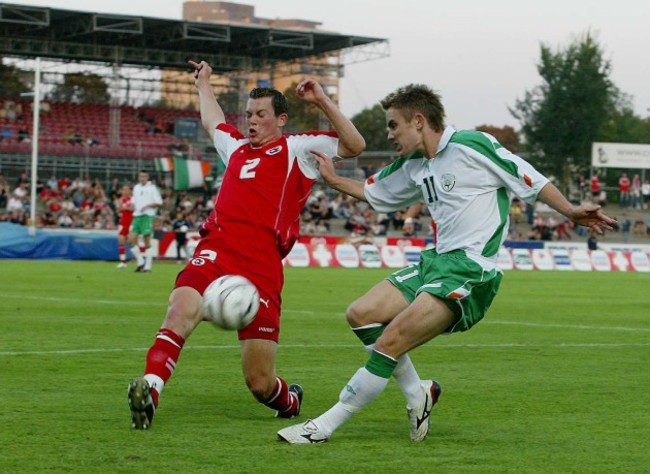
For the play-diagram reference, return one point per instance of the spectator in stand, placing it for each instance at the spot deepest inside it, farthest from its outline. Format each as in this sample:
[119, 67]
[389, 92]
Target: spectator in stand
[53, 183]
[645, 194]
[626, 227]
[562, 229]
[594, 184]
[23, 179]
[21, 191]
[624, 190]
[581, 183]
[15, 203]
[3, 196]
[592, 241]
[10, 110]
[181, 227]
[64, 184]
[65, 220]
[398, 219]
[23, 135]
[635, 192]
[639, 229]
[7, 133]
[307, 225]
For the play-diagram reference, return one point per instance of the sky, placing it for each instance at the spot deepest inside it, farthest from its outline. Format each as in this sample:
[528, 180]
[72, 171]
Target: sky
[481, 56]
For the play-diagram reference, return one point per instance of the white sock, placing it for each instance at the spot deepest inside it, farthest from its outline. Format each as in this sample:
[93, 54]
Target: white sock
[155, 382]
[148, 258]
[362, 389]
[406, 377]
[135, 250]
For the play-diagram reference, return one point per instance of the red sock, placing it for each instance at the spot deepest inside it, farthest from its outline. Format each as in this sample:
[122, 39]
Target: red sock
[163, 355]
[121, 250]
[282, 400]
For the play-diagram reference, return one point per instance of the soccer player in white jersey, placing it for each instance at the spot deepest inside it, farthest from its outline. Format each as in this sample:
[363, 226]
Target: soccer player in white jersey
[254, 225]
[146, 201]
[466, 178]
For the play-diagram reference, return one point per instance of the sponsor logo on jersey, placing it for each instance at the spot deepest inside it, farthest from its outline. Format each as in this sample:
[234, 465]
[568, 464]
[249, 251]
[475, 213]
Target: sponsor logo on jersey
[448, 181]
[198, 261]
[274, 151]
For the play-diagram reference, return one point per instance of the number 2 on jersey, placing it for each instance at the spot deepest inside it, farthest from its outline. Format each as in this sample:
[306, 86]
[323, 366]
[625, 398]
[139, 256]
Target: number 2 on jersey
[248, 168]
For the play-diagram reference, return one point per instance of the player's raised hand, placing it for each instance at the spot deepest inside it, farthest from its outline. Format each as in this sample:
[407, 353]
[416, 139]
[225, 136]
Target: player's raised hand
[202, 70]
[310, 90]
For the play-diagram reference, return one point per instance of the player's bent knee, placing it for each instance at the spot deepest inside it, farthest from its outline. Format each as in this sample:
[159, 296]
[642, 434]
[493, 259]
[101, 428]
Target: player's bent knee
[359, 314]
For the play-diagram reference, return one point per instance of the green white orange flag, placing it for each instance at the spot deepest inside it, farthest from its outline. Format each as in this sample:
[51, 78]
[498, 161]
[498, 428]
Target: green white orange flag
[164, 164]
[190, 174]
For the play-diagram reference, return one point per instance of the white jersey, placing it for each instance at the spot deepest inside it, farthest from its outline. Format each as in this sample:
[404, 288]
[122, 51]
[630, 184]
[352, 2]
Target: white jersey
[467, 187]
[144, 194]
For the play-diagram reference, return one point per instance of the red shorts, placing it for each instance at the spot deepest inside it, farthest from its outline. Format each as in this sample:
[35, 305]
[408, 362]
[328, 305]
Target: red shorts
[217, 257]
[123, 226]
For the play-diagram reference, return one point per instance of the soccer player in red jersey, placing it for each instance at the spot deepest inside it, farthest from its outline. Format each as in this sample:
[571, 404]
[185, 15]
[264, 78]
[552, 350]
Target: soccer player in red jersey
[125, 209]
[254, 224]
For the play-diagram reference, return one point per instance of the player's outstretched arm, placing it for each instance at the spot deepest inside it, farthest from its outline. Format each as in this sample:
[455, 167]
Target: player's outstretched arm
[588, 215]
[351, 143]
[211, 112]
[345, 185]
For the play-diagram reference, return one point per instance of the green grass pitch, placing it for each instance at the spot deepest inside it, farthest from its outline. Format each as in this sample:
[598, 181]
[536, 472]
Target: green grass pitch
[555, 379]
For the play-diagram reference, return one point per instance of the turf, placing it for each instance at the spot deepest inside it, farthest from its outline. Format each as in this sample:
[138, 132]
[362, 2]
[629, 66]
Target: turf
[555, 379]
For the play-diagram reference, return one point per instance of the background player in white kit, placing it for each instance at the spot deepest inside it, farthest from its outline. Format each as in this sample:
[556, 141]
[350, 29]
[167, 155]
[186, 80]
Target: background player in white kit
[466, 179]
[146, 200]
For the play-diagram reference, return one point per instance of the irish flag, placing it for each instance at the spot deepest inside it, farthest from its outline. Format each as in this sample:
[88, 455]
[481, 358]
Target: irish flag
[189, 173]
[164, 164]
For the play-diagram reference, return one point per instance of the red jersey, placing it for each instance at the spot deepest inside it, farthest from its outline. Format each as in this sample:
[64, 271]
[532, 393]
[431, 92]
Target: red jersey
[624, 184]
[125, 209]
[265, 189]
[595, 184]
[256, 217]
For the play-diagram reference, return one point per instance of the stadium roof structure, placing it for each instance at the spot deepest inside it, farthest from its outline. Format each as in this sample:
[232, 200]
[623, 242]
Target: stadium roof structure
[31, 31]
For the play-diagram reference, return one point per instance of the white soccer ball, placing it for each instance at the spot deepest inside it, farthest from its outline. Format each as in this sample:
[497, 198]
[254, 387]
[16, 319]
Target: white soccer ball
[231, 302]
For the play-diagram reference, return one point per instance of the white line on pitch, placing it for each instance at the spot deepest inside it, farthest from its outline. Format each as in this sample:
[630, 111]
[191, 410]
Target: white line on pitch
[312, 313]
[336, 346]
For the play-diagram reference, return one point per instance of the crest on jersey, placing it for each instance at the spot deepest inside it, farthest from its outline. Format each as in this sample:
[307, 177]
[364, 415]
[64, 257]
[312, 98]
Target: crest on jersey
[448, 181]
[275, 150]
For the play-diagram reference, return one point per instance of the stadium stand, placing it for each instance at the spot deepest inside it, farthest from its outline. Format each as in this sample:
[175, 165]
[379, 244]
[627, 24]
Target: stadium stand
[68, 129]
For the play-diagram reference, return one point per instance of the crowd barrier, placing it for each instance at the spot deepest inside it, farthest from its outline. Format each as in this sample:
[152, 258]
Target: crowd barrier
[330, 251]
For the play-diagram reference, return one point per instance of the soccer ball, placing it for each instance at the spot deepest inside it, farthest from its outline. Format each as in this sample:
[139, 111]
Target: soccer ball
[231, 302]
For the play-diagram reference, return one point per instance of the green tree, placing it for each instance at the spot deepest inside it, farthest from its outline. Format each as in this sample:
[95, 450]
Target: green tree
[371, 123]
[81, 88]
[626, 127]
[11, 82]
[570, 110]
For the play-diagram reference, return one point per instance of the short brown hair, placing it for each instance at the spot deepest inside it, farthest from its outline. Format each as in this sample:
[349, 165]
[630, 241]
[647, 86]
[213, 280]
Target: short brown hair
[417, 98]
